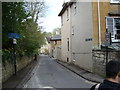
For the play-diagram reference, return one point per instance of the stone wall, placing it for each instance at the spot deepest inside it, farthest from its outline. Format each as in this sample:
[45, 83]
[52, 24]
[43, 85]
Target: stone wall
[99, 60]
[8, 67]
[7, 71]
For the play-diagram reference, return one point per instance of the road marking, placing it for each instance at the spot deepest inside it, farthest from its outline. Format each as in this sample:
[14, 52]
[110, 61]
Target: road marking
[25, 86]
[47, 87]
[90, 82]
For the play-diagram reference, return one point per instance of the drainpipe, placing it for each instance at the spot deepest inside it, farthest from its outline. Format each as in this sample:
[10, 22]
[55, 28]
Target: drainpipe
[99, 27]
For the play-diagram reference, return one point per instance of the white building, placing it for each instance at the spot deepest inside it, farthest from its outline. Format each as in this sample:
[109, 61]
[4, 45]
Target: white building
[76, 32]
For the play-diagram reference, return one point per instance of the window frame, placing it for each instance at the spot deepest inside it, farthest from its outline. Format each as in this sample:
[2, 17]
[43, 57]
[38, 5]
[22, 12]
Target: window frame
[114, 2]
[113, 38]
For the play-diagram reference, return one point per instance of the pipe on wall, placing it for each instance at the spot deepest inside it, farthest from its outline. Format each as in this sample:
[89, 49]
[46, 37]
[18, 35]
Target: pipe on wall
[99, 26]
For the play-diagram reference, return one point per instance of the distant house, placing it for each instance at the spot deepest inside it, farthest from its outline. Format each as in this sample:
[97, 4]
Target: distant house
[55, 47]
[48, 44]
[83, 27]
[45, 49]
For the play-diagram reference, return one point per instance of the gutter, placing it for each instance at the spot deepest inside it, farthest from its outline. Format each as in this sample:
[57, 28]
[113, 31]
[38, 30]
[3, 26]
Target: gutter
[65, 6]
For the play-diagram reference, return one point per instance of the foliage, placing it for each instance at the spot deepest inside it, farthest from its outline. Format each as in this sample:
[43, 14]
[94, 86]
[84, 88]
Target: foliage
[36, 9]
[12, 15]
[6, 55]
[47, 34]
[16, 19]
[46, 51]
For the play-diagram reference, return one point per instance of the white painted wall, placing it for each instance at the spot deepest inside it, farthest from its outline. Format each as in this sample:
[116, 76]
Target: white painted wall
[81, 27]
[65, 33]
[78, 28]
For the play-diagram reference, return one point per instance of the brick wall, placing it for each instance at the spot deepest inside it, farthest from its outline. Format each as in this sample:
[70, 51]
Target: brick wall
[99, 60]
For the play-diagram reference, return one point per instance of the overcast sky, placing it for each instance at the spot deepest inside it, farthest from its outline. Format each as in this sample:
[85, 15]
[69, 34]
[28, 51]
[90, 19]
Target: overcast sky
[51, 19]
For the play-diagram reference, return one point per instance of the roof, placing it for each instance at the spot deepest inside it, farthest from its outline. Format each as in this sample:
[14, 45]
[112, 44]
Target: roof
[55, 38]
[65, 6]
[48, 39]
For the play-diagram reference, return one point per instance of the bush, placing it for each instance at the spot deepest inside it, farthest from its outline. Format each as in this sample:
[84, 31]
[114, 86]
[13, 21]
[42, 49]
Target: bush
[6, 56]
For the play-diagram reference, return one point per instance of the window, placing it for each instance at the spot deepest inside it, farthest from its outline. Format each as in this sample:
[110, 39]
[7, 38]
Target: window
[115, 1]
[75, 8]
[117, 28]
[113, 26]
[68, 43]
[67, 14]
[72, 30]
[62, 20]
[55, 42]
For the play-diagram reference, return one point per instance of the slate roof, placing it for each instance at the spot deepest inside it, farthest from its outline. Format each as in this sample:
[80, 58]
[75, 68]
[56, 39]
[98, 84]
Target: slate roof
[55, 38]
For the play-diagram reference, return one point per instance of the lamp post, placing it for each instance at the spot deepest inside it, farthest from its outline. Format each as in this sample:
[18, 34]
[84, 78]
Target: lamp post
[14, 51]
[14, 36]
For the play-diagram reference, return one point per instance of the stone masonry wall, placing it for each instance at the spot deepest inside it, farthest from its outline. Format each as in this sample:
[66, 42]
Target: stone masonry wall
[99, 60]
[8, 67]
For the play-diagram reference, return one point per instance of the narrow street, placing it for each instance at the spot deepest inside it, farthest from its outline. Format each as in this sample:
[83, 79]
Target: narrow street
[50, 74]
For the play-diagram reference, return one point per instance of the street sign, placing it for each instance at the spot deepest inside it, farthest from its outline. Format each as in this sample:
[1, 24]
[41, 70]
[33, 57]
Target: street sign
[107, 38]
[13, 35]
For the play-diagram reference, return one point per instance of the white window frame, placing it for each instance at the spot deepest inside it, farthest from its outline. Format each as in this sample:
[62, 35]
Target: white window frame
[113, 39]
[115, 1]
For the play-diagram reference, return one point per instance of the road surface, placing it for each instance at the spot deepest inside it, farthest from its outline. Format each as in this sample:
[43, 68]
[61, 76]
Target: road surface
[49, 74]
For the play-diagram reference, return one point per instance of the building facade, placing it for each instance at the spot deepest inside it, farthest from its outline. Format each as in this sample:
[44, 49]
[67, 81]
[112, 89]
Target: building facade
[65, 32]
[83, 27]
[106, 15]
[55, 47]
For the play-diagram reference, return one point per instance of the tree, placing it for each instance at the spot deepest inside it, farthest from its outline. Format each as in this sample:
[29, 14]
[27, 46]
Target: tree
[13, 14]
[36, 9]
[16, 19]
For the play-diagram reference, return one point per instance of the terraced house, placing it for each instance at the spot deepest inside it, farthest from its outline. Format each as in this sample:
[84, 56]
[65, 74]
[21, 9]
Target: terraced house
[84, 26]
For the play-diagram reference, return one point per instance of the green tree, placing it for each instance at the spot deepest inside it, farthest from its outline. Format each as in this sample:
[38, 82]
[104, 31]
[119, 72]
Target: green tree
[13, 13]
[17, 18]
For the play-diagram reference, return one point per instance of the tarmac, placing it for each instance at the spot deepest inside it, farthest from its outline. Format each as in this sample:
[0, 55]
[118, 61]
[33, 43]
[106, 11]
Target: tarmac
[16, 81]
[81, 72]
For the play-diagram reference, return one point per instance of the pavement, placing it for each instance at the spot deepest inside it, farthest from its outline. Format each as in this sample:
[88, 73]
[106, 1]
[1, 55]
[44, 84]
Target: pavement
[15, 80]
[81, 72]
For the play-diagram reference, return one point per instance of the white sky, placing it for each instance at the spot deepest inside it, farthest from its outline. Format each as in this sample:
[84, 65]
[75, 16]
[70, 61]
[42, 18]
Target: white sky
[51, 19]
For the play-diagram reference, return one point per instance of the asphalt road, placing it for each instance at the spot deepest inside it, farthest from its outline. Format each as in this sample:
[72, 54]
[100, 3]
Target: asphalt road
[49, 74]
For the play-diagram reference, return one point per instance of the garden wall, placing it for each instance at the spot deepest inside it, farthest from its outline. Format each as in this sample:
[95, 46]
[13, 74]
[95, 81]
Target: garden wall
[99, 60]
[8, 67]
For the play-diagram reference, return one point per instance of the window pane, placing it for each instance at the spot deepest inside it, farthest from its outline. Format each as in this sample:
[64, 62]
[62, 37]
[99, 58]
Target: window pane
[117, 23]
